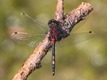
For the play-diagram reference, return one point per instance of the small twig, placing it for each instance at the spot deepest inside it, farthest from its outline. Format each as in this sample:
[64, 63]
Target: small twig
[59, 13]
[68, 21]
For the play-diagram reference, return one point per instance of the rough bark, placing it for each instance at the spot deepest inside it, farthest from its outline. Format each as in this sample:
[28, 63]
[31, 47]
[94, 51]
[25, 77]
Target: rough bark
[67, 21]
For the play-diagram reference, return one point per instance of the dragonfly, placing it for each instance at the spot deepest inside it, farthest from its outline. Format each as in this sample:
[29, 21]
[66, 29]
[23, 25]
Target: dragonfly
[55, 35]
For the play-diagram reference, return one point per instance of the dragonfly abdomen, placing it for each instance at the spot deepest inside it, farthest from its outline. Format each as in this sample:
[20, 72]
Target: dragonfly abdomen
[53, 58]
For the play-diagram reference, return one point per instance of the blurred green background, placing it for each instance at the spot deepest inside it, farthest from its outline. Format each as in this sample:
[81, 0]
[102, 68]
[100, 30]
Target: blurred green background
[83, 61]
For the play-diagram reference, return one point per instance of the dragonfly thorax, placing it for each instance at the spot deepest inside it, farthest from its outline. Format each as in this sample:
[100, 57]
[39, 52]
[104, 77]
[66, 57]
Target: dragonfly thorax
[55, 30]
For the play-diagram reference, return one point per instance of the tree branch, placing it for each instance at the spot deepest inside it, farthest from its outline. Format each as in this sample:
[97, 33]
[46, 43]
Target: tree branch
[76, 15]
[67, 22]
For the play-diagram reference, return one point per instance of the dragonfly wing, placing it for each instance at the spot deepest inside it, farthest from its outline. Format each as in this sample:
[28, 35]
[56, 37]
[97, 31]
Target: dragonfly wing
[76, 38]
[82, 22]
[41, 26]
[27, 39]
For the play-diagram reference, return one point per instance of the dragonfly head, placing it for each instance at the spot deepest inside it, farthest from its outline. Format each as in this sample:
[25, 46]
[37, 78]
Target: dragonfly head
[52, 22]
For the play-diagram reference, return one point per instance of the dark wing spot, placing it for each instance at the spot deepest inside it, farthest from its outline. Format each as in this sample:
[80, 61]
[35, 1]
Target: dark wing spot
[15, 32]
[90, 31]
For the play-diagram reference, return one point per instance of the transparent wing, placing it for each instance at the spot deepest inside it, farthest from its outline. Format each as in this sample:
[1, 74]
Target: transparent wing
[27, 39]
[80, 23]
[38, 30]
[76, 38]
[44, 27]
[38, 24]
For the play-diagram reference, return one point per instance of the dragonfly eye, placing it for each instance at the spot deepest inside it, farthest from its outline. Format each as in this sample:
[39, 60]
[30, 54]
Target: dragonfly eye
[52, 22]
